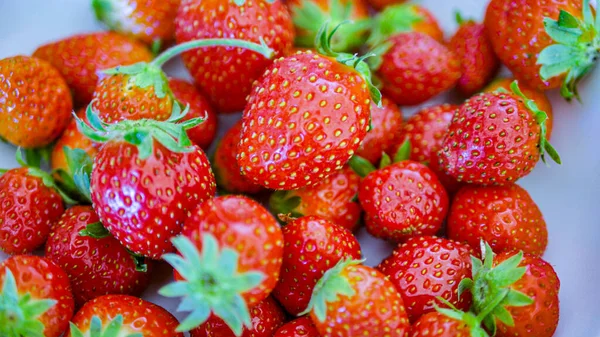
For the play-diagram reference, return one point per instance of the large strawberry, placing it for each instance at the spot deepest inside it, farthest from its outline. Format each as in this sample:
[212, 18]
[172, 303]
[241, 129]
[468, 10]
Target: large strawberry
[95, 262]
[386, 124]
[226, 74]
[496, 138]
[352, 299]
[448, 323]
[35, 102]
[35, 297]
[313, 246]
[306, 117]
[300, 327]
[404, 18]
[122, 315]
[232, 251]
[72, 139]
[79, 58]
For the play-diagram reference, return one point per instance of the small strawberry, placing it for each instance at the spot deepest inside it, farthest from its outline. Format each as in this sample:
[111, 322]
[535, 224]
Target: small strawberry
[300, 327]
[504, 216]
[150, 21]
[267, 316]
[312, 246]
[122, 315]
[334, 199]
[35, 297]
[404, 18]
[306, 117]
[426, 268]
[496, 138]
[381, 4]
[35, 102]
[473, 48]
[386, 124]
[447, 323]
[94, 261]
[232, 250]
[226, 74]
[352, 299]
[79, 58]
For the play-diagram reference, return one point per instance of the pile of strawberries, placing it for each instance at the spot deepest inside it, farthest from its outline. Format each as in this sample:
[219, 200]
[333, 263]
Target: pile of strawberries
[322, 141]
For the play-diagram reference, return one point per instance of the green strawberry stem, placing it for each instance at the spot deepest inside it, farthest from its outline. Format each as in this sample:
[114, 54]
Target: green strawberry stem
[284, 203]
[19, 313]
[114, 328]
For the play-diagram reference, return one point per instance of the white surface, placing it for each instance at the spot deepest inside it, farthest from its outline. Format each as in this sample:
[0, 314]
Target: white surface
[568, 195]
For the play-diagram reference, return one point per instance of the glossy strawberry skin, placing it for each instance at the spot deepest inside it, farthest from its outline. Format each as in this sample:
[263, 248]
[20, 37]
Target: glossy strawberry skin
[42, 279]
[386, 125]
[139, 316]
[312, 246]
[306, 108]
[300, 327]
[493, 139]
[36, 102]
[425, 268]
[267, 316]
[435, 324]
[226, 74]
[73, 139]
[504, 216]
[417, 68]
[156, 194]
[28, 209]
[95, 267]
[403, 200]
[79, 58]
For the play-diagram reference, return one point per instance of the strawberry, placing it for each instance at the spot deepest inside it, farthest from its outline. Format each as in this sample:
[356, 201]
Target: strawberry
[94, 261]
[154, 171]
[352, 299]
[546, 44]
[300, 327]
[267, 316]
[404, 18]
[150, 21]
[79, 58]
[312, 246]
[36, 298]
[381, 4]
[447, 323]
[306, 108]
[504, 216]
[386, 124]
[496, 138]
[333, 199]
[35, 102]
[309, 15]
[226, 74]
[232, 251]
[227, 170]
[473, 48]
[425, 268]
[122, 315]
[72, 139]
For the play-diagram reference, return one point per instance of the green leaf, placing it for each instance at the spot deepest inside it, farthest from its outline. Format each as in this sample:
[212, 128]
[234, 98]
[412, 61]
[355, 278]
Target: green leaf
[464, 285]
[385, 160]
[95, 230]
[457, 315]
[361, 166]
[567, 20]
[403, 152]
[516, 298]
[503, 316]
[284, 202]
[562, 34]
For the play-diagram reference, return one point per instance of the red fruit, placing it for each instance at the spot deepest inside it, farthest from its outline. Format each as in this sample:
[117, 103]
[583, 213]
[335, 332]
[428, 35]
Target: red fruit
[425, 268]
[72, 139]
[226, 74]
[36, 297]
[35, 102]
[404, 18]
[312, 246]
[458, 324]
[267, 317]
[127, 314]
[95, 262]
[79, 58]
[300, 327]
[381, 4]
[386, 123]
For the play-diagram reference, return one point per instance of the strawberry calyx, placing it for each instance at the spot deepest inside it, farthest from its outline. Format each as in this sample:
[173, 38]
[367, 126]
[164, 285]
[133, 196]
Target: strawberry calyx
[114, 328]
[363, 167]
[468, 318]
[576, 48]
[212, 283]
[75, 182]
[19, 313]
[393, 20]
[285, 203]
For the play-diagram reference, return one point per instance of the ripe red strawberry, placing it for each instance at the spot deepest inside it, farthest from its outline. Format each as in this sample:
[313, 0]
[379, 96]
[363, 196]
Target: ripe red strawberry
[267, 316]
[333, 199]
[226, 74]
[504, 216]
[381, 4]
[352, 299]
[35, 102]
[36, 297]
[386, 124]
[312, 246]
[72, 139]
[426, 268]
[123, 315]
[232, 250]
[496, 138]
[79, 58]
[300, 327]
[403, 18]
[447, 323]
[154, 172]
[473, 48]
[94, 261]
[227, 170]
[150, 21]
